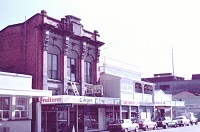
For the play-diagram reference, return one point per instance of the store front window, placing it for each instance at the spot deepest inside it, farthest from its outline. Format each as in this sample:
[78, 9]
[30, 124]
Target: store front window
[21, 108]
[87, 118]
[90, 118]
[4, 107]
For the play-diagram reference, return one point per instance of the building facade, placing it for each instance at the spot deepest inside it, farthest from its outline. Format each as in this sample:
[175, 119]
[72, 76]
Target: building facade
[139, 99]
[16, 95]
[62, 57]
[172, 84]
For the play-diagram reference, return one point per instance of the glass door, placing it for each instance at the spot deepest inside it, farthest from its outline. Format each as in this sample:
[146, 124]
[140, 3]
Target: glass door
[62, 121]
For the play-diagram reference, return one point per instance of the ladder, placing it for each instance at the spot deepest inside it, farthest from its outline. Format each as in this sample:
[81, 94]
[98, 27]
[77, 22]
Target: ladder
[74, 88]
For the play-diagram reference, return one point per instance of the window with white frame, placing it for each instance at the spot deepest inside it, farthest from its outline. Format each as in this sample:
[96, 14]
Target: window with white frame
[52, 66]
[21, 108]
[71, 69]
[4, 107]
[88, 72]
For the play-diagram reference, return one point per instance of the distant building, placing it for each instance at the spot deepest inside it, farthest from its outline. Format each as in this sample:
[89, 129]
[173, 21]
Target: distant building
[192, 103]
[172, 84]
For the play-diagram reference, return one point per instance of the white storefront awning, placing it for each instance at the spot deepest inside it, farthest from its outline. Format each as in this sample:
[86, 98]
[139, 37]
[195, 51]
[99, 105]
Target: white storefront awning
[29, 93]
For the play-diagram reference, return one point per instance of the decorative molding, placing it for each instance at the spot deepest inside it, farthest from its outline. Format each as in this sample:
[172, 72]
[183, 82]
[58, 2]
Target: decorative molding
[66, 45]
[83, 50]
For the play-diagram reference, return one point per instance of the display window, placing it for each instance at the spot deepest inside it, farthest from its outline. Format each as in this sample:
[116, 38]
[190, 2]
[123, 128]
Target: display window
[90, 118]
[4, 107]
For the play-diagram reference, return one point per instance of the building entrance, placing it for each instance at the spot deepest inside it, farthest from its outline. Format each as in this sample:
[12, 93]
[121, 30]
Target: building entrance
[54, 121]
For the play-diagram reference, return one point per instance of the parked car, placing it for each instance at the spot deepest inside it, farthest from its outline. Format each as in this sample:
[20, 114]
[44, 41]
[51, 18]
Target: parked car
[182, 121]
[191, 117]
[123, 125]
[146, 124]
[166, 122]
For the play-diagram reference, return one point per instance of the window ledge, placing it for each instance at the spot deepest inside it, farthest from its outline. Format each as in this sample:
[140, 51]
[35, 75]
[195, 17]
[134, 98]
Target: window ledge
[53, 80]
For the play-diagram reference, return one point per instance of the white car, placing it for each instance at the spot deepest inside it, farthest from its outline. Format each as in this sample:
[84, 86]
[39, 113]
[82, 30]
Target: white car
[146, 124]
[182, 121]
[124, 125]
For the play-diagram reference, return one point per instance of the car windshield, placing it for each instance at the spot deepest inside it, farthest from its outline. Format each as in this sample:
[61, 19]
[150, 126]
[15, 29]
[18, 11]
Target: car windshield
[118, 122]
[143, 120]
[161, 119]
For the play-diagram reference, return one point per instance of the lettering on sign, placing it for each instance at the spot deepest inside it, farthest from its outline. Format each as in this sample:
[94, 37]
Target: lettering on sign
[50, 100]
[50, 22]
[86, 100]
[128, 102]
[107, 101]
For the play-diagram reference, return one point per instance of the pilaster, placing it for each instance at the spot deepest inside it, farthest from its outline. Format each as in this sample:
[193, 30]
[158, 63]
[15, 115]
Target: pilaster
[82, 69]
[66, 45]
[45, 50]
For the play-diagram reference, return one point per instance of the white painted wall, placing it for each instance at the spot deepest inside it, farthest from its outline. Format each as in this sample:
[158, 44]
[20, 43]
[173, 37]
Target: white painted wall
[102, 119]
[111, 85]
[17, 126]
[15, 81]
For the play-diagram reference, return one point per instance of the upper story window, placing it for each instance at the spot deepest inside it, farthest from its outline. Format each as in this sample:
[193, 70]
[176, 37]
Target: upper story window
[88, 72]
[52, 66]
[21, 108]
[71, 69]
[4, 107]
[165, 87]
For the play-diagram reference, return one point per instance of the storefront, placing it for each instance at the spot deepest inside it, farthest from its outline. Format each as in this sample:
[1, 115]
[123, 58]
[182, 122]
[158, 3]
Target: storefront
[78, 113]
[129, 110]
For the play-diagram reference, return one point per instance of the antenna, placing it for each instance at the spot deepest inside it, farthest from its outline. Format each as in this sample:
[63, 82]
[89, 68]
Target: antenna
[172, 61]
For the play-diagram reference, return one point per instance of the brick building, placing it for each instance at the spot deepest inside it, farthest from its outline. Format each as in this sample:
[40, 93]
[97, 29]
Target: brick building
[61, 56]
[172, 84]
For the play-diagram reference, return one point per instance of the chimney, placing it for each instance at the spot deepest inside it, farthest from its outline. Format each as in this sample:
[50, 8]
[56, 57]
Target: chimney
[44, 12]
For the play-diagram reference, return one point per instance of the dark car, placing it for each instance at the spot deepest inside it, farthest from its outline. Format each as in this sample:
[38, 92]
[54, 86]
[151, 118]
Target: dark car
[166, 122]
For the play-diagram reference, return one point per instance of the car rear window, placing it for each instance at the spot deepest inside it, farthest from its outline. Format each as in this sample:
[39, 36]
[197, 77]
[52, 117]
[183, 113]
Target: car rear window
[179, 117]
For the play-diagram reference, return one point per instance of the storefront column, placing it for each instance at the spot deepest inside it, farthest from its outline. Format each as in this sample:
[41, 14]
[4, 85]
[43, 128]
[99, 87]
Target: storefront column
[120, 112]
[129, 112]
[171, 112]
[38, 117]
[76, 127]
[142, 85]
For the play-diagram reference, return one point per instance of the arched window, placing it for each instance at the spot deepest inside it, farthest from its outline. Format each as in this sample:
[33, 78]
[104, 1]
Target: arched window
[53, 63]
[72, 66]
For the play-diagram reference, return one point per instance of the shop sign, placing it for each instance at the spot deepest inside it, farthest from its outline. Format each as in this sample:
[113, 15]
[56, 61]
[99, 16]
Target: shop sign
[111, 101]
[162, 103]
[128, 102]
[51, 100]
[87, 100]
[78, 99]
[50, 22]
[146, 103]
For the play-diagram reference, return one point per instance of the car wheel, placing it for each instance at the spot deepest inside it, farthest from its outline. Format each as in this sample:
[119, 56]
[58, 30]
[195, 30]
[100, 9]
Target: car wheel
[154, 128]
[166, 126]
[191, 122]
[175, 125]
[196, 123]
[146, 128]
[136, 129]
[126, 130]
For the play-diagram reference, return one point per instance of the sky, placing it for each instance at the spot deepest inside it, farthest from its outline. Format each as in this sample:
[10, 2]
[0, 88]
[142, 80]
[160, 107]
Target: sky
[145, 34]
